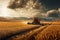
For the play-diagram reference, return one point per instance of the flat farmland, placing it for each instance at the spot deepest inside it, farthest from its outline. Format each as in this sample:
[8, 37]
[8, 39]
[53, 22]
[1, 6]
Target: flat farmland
[20, 30]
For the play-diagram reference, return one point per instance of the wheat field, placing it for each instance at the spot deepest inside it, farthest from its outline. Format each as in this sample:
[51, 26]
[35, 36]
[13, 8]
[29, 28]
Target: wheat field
[52, 32]
[46, 32]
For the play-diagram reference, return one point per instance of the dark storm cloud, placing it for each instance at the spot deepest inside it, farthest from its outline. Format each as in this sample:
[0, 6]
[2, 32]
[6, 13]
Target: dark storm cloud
[51, 4]
[23, 3]
[17, 4]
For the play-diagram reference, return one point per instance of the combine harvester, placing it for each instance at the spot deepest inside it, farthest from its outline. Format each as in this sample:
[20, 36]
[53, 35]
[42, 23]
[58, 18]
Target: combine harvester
[36, 21]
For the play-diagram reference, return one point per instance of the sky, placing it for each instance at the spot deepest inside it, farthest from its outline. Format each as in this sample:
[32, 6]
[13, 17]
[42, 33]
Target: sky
[51, 4]
[29, 8]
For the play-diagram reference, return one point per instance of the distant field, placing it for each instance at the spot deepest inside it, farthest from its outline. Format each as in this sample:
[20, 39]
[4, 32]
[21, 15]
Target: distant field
[52, 32]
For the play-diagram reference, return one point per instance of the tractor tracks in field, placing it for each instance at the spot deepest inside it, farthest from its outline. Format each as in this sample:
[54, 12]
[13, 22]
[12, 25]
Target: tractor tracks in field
[17, 33]
[31, 35]
[26, 34]
[37, 31]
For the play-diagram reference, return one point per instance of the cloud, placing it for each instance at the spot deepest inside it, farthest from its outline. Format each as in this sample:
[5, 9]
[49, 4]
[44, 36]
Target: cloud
[34, 4]
[53, 13]
[20, 8]
[27, 8]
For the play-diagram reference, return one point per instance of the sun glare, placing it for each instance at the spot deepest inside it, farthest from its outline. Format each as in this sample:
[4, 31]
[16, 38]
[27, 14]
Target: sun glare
[4, 9]
[4, 12]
